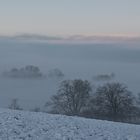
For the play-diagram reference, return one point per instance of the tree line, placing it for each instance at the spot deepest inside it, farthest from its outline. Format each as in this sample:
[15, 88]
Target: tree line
[110, 101]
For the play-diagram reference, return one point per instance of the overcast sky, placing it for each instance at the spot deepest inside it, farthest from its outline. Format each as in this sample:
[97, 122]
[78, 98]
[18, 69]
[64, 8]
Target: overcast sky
[70, 17]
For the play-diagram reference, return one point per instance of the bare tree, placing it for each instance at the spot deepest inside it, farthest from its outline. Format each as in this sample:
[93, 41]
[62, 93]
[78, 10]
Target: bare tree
[71, 97]
[14, 105]
[55, 73]
[114, 100]
[138, 99]
[138, 105]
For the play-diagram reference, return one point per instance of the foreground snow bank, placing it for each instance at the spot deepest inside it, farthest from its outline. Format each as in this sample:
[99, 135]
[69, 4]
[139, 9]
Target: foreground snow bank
[20, 125]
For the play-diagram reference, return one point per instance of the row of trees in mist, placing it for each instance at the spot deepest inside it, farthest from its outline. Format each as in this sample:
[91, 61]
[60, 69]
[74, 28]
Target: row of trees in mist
[111, 101]
[31, 71]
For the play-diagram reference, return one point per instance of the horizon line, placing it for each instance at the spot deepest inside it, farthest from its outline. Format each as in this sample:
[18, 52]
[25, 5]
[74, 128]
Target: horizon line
[67, 38]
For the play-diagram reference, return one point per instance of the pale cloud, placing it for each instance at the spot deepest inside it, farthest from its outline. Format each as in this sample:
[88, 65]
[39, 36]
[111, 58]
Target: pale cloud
[73, 38]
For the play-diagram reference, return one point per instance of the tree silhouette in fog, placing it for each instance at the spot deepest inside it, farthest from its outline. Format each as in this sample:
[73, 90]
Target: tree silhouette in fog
[71, 97]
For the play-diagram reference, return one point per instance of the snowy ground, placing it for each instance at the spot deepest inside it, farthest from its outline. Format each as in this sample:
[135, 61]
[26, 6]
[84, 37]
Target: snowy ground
[20, 125]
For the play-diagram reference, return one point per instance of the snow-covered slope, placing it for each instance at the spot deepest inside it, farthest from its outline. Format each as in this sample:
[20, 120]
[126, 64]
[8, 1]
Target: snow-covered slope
[21, 125]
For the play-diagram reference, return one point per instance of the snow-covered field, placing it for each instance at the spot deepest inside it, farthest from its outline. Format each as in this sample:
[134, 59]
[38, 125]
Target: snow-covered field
[21, 125]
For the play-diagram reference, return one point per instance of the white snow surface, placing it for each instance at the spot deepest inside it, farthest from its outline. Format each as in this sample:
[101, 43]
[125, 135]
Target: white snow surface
[24, 125]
